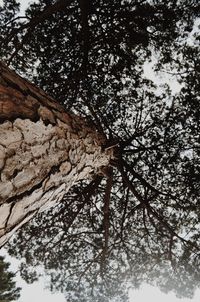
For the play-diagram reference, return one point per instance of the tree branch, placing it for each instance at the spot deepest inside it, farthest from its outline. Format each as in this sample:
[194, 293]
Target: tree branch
[154, 213]
[106, 222]
[47, 12]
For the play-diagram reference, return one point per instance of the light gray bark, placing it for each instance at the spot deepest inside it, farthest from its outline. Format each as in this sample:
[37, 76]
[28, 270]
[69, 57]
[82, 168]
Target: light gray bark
[43, 151]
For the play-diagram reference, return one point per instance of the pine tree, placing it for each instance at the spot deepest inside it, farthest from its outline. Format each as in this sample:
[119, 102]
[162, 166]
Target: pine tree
[44, 151]
[137, 218]
[8, 289]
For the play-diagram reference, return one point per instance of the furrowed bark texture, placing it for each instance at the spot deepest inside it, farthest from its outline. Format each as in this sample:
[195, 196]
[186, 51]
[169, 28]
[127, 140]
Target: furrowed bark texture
[43, 151]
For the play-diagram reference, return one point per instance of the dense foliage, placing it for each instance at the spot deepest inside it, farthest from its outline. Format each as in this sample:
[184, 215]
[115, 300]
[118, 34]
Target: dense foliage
[141, 221]
[8, 289]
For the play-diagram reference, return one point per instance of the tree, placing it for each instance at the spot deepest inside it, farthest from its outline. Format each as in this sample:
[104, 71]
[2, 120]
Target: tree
[140, 222]
[8, 289]
[44, 151]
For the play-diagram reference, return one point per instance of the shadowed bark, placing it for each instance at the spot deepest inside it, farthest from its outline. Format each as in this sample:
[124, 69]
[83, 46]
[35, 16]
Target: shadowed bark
[43, 151]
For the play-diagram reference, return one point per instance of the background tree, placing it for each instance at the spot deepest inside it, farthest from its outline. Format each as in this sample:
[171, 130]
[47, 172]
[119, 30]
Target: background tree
[141, 222]
[8, 289]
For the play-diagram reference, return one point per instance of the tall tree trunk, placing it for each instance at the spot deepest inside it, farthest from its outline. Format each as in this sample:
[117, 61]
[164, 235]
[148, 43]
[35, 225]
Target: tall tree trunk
[43, 151]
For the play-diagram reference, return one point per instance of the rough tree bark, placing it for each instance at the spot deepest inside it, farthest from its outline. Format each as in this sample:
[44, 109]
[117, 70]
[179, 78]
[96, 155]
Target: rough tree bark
[43, 151]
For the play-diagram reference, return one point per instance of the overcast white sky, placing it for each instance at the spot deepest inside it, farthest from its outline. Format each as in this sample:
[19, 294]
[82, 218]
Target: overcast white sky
[37, 291]
[146, 293]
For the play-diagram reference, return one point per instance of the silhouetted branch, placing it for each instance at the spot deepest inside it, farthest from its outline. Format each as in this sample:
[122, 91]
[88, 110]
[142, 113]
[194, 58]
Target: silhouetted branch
[46, 13]
[124, 214]
[154, 213]
[106, 221]
[84, 6]
[17, 18]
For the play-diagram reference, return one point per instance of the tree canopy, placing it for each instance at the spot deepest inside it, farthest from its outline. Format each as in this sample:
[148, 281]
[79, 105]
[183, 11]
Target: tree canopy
[139, 220]
[8, 289]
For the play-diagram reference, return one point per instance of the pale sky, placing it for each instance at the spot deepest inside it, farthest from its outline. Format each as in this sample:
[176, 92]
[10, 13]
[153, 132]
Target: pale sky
[37, 291]
[146, 293]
